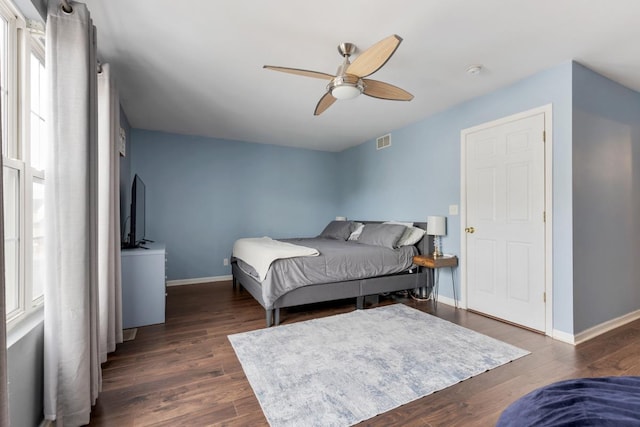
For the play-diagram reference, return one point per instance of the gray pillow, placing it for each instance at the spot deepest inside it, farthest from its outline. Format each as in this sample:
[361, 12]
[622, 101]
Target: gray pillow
[338, 230]
[386, 235]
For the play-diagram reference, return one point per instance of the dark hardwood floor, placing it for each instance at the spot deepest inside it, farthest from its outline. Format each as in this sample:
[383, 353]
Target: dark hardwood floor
[185, 372]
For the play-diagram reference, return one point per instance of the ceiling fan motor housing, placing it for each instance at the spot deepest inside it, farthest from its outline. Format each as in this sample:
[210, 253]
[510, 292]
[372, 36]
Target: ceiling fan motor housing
[347, 49]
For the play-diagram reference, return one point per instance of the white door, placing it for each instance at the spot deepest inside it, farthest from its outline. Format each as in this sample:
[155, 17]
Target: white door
[505, 221]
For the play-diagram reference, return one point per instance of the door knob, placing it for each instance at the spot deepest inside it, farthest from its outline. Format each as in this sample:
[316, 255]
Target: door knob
[470, 230]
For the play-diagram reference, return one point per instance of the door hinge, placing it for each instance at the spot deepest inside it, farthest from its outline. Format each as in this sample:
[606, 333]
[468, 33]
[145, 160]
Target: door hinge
[544, 297]
[544, 136]
[544, 216]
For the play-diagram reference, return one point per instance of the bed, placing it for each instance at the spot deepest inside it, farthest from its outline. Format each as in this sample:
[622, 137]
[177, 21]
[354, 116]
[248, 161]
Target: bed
[343, 268]
[602, 401]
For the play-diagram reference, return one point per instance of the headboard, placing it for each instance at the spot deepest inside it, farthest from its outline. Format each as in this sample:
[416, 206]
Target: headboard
[425, 245]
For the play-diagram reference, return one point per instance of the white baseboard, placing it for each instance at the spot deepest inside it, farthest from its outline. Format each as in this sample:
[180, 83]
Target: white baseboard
[181, 282]
[606, 326]
[563, 336]
[594, 331]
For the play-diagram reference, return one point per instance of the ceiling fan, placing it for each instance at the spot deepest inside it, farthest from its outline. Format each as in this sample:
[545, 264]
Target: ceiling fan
[350, 80]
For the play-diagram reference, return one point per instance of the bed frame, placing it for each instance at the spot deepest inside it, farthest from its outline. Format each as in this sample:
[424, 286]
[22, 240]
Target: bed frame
[358, 289]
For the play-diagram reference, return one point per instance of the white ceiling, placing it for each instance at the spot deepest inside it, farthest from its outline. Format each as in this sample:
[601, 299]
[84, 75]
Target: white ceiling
[195, 67]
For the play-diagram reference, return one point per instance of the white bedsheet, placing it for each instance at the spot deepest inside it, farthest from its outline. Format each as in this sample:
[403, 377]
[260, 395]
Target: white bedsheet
[260, 252]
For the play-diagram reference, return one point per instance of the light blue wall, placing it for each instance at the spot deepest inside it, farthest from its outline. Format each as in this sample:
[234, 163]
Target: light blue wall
[606, 177]
[203, 194]
[419, 175]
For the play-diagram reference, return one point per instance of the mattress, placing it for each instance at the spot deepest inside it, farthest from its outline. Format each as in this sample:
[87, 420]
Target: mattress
[338, 261]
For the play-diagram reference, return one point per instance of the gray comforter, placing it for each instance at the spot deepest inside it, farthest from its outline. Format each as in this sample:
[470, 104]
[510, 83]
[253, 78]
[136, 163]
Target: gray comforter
[338, 261]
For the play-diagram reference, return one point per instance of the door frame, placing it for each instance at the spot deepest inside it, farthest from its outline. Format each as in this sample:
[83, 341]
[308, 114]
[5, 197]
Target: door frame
[547, 110]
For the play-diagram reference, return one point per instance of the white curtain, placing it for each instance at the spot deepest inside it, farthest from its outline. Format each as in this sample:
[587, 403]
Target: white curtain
[110, 290]
[72, 366]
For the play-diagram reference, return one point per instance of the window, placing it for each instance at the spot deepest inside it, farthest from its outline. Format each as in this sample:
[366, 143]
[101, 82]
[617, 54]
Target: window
[37, 148]
[24, 143]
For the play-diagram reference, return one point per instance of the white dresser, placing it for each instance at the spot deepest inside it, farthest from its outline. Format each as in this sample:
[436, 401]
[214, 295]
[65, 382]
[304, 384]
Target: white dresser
[143, 285]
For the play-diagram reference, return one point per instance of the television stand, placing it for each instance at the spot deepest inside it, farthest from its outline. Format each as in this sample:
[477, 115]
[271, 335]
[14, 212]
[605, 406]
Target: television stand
[143, 285]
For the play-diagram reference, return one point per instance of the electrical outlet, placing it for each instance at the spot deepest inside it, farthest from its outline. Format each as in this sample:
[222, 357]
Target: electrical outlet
[453, 209]
[225, 261]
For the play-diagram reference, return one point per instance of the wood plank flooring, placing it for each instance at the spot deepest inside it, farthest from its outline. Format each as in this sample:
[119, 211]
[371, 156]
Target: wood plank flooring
[185, 372]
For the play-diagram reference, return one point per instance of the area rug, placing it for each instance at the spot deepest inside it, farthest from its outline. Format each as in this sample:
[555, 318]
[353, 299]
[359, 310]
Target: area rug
[343, 369]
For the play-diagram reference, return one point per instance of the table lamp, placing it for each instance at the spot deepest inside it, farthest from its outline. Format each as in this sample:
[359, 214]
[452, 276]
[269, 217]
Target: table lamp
[437, 226]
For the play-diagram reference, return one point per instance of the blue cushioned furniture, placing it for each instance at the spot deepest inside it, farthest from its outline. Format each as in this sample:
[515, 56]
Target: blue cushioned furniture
[605, 401]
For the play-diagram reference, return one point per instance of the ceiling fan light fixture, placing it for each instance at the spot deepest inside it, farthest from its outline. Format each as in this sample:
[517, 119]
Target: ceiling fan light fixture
[345, 87]
[345, 92]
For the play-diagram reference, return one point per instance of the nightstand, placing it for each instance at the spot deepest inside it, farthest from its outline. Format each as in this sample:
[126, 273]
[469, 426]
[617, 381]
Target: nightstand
[428, 261]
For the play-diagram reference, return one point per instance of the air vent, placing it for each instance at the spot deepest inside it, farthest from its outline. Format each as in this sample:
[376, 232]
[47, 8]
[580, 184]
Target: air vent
[383, 142]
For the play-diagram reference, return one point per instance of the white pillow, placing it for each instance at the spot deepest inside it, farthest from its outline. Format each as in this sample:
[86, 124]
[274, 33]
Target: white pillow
[356, 233]
[411, 235]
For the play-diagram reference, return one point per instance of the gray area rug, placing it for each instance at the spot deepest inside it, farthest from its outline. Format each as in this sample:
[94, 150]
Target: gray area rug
[343, 369]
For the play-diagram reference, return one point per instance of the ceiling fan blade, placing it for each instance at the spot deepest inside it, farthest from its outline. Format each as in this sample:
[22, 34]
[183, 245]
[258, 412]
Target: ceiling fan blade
[372, 59]
[384, 90]
[299, 72]
[325, 102]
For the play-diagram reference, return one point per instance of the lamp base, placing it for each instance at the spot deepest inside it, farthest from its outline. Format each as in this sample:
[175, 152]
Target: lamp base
[437, 252]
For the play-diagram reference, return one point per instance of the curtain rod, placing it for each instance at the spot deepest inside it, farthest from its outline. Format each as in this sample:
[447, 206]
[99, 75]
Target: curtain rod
[66, 6]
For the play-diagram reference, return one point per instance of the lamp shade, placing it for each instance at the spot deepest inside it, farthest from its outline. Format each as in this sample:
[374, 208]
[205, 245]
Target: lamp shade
[437, 225]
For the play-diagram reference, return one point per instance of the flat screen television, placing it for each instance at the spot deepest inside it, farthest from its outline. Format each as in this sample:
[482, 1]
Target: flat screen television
[137, 216]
